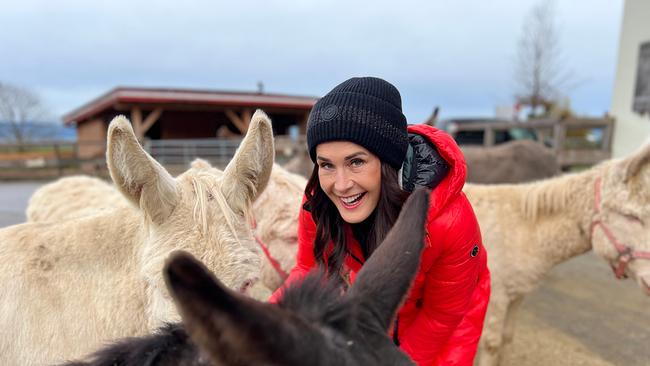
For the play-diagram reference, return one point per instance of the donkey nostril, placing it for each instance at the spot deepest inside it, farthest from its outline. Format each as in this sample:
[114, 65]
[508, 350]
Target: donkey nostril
[247, 285]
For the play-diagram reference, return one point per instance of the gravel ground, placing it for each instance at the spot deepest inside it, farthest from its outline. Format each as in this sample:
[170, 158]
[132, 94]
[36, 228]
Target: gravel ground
[583, 315]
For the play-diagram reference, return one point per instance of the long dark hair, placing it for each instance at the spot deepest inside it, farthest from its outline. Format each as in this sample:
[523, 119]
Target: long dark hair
[330, 224]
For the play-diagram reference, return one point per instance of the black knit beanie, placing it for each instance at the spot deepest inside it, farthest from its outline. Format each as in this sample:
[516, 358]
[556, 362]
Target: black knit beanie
[366, 111]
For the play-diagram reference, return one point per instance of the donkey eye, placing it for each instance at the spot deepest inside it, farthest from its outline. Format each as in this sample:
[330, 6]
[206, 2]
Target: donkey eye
[632, 217]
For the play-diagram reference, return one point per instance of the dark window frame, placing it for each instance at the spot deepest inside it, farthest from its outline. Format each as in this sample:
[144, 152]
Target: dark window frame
[641, 102]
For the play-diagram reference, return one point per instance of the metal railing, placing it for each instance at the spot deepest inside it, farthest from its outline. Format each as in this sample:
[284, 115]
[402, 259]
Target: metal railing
[52, 159]
[178, 152]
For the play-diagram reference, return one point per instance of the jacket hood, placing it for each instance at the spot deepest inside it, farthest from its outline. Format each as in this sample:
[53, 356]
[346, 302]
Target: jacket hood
[448, 180]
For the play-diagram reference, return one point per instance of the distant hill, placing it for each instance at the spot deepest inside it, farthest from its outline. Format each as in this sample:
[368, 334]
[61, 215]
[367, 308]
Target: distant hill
[54, 131]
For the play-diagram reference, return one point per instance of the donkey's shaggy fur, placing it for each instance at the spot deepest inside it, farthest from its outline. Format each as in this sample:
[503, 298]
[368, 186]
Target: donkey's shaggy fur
[68, 286]
[529, 228]
[71, 198]
[276, 211]
[313, 324]
[167, 346]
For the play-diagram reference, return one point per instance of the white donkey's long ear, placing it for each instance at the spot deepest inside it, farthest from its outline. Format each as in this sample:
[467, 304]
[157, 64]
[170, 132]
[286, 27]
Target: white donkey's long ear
[137, 175]
[635, 163]
[249, 171]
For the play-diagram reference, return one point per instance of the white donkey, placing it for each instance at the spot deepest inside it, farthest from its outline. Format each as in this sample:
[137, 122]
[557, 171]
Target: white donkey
[275, 213]
[530, 228]
[67, 287]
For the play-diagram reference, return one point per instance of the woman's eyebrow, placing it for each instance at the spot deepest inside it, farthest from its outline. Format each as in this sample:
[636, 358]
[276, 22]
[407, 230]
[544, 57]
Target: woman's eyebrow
[356, 154]
[351, 156]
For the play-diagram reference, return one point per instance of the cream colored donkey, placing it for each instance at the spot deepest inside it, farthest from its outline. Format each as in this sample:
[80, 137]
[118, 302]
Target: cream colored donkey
[67, 287]
[275, 212]
[530, 228]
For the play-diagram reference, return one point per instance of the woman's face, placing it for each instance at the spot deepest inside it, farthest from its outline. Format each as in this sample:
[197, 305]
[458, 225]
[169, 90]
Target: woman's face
[350, 175]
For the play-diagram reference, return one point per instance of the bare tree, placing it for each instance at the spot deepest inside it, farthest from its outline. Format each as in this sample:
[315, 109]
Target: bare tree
[22, 115]
[540, 73]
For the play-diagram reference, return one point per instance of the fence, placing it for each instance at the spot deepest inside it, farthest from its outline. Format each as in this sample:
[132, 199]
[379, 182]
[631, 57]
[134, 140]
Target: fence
[575, 142]
[584, 141]
[54, 159]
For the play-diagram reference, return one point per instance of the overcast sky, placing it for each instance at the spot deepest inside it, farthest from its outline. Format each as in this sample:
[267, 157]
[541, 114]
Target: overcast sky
[456, 54]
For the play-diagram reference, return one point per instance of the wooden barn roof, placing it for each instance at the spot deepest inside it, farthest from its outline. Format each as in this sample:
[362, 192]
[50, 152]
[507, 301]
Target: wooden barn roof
[187, 97]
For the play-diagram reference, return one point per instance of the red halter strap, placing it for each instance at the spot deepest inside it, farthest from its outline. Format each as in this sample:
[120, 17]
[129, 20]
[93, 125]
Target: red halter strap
[267, 253]
[625, 253]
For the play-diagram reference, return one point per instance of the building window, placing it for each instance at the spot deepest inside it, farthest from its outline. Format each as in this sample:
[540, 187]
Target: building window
[642, 89]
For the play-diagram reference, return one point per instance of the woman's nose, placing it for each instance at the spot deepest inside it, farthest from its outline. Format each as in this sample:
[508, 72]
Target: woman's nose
[343, 182]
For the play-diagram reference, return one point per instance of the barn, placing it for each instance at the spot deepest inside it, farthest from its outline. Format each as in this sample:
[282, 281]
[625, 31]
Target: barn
[181, 114]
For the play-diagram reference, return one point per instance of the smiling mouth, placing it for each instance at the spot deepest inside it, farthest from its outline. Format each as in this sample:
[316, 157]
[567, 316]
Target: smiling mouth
[352, 201]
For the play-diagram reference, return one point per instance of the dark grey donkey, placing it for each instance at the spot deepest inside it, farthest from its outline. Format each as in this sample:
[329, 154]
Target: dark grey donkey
[314, 324]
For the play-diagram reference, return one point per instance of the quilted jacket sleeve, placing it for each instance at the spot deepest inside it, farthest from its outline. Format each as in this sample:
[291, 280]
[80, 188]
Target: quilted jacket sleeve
[448, 287]
[305, 260]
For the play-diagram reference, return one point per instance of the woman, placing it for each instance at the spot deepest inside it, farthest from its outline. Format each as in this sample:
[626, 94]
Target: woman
[367, 162]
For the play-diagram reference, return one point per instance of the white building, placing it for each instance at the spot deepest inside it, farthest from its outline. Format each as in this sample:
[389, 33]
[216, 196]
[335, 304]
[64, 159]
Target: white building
[631, 96]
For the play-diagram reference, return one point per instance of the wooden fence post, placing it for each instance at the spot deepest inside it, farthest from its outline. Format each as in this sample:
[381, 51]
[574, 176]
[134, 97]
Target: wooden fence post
[57, 154]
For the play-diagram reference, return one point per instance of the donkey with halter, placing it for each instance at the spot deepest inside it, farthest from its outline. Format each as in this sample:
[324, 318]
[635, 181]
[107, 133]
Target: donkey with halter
[313, 324]
[530, 228]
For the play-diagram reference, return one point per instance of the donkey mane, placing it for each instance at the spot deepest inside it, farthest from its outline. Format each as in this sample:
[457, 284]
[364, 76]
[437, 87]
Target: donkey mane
[550, 196]
[206, 192]
[545, 197]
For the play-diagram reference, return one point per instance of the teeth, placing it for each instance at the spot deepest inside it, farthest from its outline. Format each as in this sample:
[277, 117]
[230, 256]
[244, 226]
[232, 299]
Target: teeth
[351, 199]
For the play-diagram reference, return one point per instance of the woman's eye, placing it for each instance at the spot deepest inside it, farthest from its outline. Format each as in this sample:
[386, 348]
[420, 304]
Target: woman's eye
[325, 166]
[357, 162]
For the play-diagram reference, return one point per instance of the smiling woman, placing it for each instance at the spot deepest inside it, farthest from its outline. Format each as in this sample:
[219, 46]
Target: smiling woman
[350, 176]
[364, 153]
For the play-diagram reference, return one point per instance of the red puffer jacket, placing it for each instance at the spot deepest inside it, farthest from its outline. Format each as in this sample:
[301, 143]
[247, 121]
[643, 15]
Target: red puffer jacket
[441, 320]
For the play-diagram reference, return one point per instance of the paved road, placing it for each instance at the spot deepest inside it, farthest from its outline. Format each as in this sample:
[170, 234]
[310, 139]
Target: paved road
[581, 315]
[13, 201]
